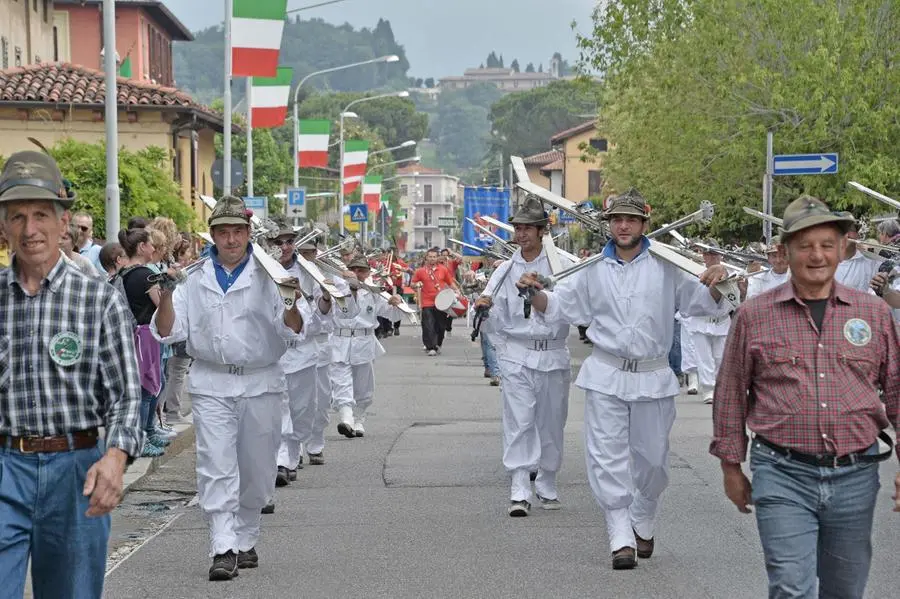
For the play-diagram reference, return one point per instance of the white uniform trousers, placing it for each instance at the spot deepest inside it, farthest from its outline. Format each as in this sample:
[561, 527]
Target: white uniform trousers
[708, 350]
[353, 386]
[688, 353]
[237, 445]
[297, 415]
[535, 408]
[316, 441]
[627, 455]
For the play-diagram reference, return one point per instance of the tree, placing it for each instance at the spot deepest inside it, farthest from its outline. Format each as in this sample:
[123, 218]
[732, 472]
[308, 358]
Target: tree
[501, 62]
[529, 68]
[460, 130]
[541, 68]
[419, 82]
[429, 83]
[527, 120]
[692, 87]
[515, 65]
[492, 61]
[145, 182]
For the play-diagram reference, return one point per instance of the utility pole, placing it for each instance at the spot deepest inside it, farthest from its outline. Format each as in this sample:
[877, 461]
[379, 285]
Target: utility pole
[226, 98]
[111, 117]
[768, 200]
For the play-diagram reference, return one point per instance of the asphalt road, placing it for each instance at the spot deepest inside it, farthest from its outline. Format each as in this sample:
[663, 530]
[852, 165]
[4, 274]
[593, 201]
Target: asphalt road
[418, 509]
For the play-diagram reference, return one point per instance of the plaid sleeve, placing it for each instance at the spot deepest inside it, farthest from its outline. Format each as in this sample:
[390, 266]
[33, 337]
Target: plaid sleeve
[730, 403]
[120, 378]
[890, 376]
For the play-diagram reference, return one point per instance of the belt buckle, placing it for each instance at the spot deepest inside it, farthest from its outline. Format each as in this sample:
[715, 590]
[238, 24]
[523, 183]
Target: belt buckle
[238, 370]
[22, 444]
[540, 344]
[629, 365]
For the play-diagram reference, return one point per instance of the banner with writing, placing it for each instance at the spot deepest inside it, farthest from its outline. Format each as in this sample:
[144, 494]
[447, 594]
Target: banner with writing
[479, 202]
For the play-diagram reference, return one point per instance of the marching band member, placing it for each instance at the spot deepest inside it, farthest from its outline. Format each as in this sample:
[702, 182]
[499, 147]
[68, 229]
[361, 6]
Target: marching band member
[535, 369]
[429, 280]
[236, 325]
[300, 362]
[630, 298]
[688, 354]
[354, 349]
[708, 334]
[856, 269]
[771, 279]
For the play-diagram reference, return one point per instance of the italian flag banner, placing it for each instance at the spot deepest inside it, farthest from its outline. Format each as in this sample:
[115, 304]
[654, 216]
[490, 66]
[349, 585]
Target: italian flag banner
[372, 192]
[356, 155]
[312, 143]
[269, 99]
[256, 28]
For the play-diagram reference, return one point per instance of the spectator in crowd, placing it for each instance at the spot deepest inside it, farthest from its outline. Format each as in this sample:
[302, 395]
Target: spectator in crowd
[112, 259]
[4, 250]
[87, 248]
[175, 402]
[69, 240]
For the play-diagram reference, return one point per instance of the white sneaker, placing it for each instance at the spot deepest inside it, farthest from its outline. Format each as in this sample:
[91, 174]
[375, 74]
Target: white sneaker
[345, 426]
[431, 352]
[708, 397]
[692, 383]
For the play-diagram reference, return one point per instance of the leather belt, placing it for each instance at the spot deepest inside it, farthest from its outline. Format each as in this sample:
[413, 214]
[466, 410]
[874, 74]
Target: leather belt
[352, 332]
[539, 344]
[829, 460]
[77, 440]
[630, 365]
[232, 368]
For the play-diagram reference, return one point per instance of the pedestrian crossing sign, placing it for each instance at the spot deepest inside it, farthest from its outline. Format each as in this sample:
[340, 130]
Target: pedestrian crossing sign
[359, 213]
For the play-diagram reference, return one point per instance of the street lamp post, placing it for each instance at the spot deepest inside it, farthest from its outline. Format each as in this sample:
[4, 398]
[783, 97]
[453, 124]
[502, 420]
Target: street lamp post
[403, 94]
[389, 58]
[405, 144]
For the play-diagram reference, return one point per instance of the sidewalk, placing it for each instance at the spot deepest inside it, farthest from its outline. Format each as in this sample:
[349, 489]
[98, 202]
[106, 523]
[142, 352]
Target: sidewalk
[145, 466]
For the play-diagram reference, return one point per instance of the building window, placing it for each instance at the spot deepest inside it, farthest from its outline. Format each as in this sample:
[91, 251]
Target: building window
[404, 191]
[4, 49]
[595, 183]
[18, 56]
[46, 11]
[426, 216]
[599, 144]
[428, 192]
[34, 3]
[55, 44]
[427, 237]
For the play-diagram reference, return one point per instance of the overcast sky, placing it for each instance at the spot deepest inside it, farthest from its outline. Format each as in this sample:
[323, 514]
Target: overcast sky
[443, 37]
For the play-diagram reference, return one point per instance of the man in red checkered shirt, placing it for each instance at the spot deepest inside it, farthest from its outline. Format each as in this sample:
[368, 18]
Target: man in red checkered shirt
[802, 369]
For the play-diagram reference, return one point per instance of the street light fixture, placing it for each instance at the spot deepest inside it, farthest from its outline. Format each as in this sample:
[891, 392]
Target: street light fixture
[402, 94]
[405, 144]
[386, 59]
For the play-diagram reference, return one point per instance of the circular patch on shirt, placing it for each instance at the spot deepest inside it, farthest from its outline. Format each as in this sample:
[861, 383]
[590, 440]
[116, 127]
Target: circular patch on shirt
[858, 332]
[65, 348]
[369, 309]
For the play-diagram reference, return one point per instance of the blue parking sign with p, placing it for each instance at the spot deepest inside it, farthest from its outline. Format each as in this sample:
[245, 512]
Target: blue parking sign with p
[296, 196]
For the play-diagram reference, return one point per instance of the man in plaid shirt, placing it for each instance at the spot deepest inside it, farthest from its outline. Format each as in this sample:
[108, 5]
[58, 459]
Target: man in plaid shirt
[67, 367]
[802, 369]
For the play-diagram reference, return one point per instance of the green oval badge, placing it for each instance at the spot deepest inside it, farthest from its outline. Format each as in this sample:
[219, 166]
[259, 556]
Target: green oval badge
[65, 348]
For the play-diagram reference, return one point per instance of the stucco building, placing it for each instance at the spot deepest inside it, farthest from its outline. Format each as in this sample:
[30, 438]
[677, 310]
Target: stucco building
[426, 196]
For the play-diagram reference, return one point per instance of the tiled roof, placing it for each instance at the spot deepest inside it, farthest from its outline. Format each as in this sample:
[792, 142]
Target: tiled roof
[543, 158]
[68, 84]
[556, 165]
[564, 135]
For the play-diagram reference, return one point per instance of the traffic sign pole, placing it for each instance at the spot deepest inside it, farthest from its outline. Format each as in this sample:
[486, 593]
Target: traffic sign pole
[768, 200]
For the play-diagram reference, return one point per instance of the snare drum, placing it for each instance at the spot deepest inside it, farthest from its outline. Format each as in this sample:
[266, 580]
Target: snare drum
[447, 300]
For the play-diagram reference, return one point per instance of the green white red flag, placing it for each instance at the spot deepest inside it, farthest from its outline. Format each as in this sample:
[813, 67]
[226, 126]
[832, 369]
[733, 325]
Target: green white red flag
[256, 29]
[356, 155]
[312, 143]
[269, 98]
[372, 192]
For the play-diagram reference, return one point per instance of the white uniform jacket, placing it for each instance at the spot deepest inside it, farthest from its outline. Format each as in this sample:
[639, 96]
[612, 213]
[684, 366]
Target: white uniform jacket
[353, 340]
[631, 308]
[236, 338]
[516, 337]
[857, 271]
[305, 353]
[759, 284]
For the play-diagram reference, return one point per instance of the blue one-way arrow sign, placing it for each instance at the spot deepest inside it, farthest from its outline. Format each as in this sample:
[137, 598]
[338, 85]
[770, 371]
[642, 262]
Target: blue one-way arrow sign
[359, 213]
[806, 164]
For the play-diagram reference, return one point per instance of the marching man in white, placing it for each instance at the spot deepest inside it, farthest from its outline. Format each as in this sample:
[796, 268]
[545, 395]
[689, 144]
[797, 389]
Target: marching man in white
[535, 368]
[708, 334]
[235, 323]
[629, 298]
[300, 362]
[354, 349]
[778, 274]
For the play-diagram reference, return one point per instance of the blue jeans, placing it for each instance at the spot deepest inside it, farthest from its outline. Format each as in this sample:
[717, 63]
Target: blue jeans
[675, 350]
[148, 411]
[489, 355]
[42, 515]
[814, 523]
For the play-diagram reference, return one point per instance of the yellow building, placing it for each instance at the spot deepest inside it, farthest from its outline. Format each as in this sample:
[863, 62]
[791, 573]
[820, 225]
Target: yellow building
[580, 179]
[54, 101]
[545, 169]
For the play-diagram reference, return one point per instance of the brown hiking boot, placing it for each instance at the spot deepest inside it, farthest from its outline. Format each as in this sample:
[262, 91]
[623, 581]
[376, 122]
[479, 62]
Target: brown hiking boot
[624, 559]
[644, 546]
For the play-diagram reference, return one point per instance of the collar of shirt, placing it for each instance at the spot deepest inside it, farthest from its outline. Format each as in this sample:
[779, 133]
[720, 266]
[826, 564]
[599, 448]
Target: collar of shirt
[518, 258]
[53, 280]
[223, 277]
[609, 250]
[787, 292]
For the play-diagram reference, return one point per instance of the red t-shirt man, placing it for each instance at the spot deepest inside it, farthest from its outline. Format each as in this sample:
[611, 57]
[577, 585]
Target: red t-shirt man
[433, 278]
